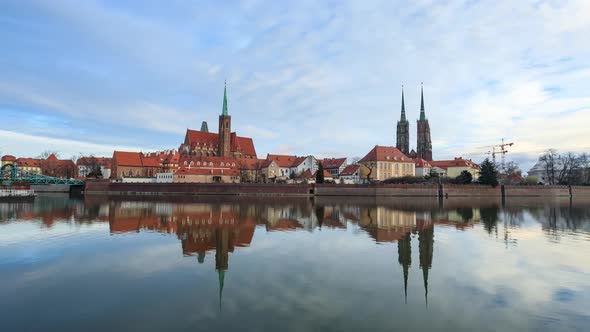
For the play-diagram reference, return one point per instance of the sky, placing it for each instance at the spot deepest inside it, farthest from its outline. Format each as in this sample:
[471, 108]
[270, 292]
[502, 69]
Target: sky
[303, 77]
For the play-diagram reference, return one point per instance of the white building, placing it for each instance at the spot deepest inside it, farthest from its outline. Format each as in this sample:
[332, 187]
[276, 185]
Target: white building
[351, 174]
[165, 177]
[423, 167]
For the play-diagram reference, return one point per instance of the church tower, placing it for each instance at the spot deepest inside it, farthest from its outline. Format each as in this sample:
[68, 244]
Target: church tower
[424, 143]
[403, 130]
[224, 128]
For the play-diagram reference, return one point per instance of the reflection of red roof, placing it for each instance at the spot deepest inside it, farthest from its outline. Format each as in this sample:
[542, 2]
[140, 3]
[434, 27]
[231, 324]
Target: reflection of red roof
[350, 170]
[457, 162]
[8, 158]
[385, 153]
[333, 162]
[421, 163]
[283, 225]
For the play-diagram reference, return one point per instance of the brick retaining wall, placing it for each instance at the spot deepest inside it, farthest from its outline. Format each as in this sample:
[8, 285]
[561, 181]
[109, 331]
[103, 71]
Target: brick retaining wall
[580, 191]
[525, 191]
[196, 189]
[376, 190]
[470, 190]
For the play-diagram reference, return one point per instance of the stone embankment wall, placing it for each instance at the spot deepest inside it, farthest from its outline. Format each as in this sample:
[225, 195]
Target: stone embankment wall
[375, 190]
[533, 191]
[93, 187]
[470, 190]
[51, 188]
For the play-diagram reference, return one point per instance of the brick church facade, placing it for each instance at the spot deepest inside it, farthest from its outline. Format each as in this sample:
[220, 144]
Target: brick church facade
[224, 143]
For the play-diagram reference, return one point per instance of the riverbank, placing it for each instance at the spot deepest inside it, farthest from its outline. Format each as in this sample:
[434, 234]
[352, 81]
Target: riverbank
[17, 195]
[307, 190]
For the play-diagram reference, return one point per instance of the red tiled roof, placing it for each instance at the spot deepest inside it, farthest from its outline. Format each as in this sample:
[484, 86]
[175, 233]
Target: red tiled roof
[350, 170]
[52, 157]
[250, 163]
[305, 175]
[333, 162]
[285, 160]
[421, 163]
[244, 145]
[457, 162]
[123, 158]
[385, 153]
[29, 162]
[150, 162]
[327, 175]
[8, 158]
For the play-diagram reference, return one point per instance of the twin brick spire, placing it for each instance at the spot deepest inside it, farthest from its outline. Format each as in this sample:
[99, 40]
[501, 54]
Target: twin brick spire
[423, 141]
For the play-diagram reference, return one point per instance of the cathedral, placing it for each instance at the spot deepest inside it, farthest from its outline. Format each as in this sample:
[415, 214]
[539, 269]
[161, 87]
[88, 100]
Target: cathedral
[224, 143]
[423, 142]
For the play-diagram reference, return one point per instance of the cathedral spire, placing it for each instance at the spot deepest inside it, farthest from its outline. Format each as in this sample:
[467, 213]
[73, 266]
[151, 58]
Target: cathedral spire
[224, 110]
[403, 118]
[221, 275]
[422, 113]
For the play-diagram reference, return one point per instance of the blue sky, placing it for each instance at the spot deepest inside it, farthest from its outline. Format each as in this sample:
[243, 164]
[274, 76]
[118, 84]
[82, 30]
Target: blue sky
[304, 77]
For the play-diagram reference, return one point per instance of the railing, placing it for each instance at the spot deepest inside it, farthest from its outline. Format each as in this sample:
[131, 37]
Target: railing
[16, 192]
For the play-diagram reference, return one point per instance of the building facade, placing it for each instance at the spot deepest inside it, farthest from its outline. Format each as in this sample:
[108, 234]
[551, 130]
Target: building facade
[454, 167]
[224, 143]
[384, 162]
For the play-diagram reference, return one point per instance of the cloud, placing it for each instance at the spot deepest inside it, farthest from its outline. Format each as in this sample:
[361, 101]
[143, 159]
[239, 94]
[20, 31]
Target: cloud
[310, 77]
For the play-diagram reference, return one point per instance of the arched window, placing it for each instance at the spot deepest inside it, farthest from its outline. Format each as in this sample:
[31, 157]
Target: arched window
[233, 164]
[191, 163]
[185, 163]
[198, 163]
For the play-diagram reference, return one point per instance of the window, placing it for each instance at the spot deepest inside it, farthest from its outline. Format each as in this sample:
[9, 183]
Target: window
[198, 163]
[233, 164]
[191, 163]
[185, 163]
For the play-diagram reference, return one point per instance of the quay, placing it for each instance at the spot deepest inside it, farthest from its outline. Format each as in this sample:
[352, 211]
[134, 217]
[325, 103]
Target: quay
[11, 195]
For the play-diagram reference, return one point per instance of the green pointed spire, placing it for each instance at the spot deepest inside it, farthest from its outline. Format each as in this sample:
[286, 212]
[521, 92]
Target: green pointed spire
[403, 119]
[422, 113]
[224, 110]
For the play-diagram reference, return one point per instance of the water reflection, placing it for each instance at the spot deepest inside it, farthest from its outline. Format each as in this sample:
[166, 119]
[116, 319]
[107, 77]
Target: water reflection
[218, 226]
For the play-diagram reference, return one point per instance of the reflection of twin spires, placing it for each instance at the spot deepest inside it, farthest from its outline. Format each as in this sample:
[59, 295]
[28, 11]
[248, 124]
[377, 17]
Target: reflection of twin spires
[425, 248]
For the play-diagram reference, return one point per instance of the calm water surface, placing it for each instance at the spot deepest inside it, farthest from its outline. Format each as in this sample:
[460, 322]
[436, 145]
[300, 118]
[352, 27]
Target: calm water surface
[222, 264]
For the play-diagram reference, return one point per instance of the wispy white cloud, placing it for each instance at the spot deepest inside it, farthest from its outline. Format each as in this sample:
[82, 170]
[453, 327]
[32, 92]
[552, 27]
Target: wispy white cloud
[312, 77]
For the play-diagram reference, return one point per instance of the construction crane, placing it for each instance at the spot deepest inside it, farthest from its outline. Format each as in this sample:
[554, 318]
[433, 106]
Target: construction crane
[499, 148]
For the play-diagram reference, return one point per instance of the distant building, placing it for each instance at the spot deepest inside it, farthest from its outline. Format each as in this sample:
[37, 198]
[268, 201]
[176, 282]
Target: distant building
[134, 164]
[224, 143]
[86, 165]
[454, 167]
[384, 162]
[7, 160]
[334, 166]
[292, 166]
[350, 174]
[423, 167]
[207, 175]
[165, 177]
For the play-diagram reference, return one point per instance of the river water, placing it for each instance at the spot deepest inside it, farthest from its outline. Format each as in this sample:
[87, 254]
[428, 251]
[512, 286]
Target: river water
[294, 264]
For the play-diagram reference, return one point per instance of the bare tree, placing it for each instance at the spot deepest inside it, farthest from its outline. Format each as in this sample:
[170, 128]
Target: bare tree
[370, 166]
[570, 164]
[584, 160]
[549, 160]
[45, 154]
